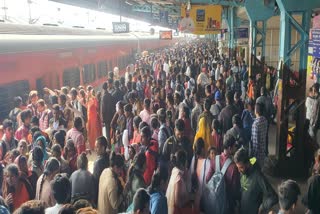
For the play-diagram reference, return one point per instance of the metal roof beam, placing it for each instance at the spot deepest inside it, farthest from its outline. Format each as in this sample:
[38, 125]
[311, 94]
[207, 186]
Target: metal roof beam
[234, 3]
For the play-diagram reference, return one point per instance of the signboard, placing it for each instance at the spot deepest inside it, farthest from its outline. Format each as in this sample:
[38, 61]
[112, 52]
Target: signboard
[120, 27]
[201, 19]
[241, 33]
[314, 43]
[165, 35]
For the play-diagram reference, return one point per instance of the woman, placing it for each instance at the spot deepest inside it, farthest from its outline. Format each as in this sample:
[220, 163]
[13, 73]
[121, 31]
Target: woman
[43, 191]
[199, 168]
[118, 125]
[179, 199]
[94, 124]
[36, 168]
[41, 141]
[135, 176]
[204, 132]
[111, 193]
[157, 189]
[82, 181]
[14, 190]
[25, 175]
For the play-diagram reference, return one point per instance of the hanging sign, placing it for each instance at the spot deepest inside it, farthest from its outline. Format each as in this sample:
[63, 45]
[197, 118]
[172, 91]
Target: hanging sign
[165, 35]
[200, 19]
[120, 27]
[241, 33]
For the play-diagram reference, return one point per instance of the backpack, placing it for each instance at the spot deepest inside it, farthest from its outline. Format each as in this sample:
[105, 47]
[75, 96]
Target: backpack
[216, 189]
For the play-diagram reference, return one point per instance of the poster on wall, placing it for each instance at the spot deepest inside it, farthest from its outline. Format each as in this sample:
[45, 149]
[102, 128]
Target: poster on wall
[200, 19]
[314, 43]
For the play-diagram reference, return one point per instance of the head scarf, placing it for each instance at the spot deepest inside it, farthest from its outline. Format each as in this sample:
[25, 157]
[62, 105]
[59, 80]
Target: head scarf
[43, 147]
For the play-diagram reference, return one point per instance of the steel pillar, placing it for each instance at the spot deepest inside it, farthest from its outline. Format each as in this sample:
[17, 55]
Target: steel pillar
[258, 13]
[231, 26]
[295, 163]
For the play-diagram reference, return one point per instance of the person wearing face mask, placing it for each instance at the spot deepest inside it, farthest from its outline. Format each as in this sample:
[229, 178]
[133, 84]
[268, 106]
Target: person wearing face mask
[111, 193]
[257, 194]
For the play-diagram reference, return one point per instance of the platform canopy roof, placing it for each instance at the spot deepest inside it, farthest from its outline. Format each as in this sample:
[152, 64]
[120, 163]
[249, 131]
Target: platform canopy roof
[161, 12]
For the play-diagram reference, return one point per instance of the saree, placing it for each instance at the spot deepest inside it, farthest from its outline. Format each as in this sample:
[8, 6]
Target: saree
[94, 125]
[204, 132]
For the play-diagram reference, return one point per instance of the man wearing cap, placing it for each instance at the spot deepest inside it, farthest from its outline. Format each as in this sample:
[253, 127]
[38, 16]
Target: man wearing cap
[217, 107]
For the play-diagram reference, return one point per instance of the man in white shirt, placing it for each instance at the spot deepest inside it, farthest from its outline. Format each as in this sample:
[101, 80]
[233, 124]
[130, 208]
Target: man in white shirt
[166, 67]
[218, 71]
[187, 24]
[61, 190]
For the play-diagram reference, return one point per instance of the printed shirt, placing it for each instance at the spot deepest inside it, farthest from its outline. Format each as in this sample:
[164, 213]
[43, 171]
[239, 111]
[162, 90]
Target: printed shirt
[22, 133]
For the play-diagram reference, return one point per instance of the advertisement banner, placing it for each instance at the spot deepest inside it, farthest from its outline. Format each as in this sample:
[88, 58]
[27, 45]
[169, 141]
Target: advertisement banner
[314, 43]
[201, 19]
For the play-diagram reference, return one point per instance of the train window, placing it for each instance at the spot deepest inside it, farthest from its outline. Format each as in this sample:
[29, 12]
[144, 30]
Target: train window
[89, 73]
[71, 77]
[8, 92]
[102, 69]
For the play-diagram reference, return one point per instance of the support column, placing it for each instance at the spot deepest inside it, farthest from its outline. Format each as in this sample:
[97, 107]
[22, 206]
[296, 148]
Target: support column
[231, 26]
[291, 165]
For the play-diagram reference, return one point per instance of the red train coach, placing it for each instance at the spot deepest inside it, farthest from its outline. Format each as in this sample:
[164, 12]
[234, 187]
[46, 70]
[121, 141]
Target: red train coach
[37, 61]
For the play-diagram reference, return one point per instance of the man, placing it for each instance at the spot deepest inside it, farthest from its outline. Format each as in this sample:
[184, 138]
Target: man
[61, 191]
[176, 142]
[288, 192]
[259, 135]
[196, 112]
[58, 122]
[257, 194]
[106, 111]
[226, 114]
[23, 131]
[206, 113]
[237, 131]
[82, 182]
[102, 161]
[141, 201]
[232, 176]
[129, 120]
[8, 142]
[164, 132]
[145, 114]
[75, 105]
[217, 107]
[44, 115]
[218, 71]
[76, 135]
[33, 98]
[117, 93]
[151, 151]
[265, 100]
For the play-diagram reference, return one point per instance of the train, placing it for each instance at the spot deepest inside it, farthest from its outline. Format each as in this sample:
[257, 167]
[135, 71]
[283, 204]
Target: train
[32, 58]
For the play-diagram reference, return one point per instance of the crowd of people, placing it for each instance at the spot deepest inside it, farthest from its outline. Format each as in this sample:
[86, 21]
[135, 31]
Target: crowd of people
[185, 131]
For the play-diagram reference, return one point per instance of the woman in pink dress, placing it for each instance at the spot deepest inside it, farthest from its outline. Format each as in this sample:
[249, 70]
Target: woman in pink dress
[94, 125]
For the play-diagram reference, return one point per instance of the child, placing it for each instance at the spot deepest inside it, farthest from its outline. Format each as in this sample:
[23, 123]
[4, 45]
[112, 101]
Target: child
[212, 152]
[217, 136]
[316, 166]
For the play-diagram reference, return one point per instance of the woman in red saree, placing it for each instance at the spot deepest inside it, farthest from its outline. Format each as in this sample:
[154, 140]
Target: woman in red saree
[94, 126]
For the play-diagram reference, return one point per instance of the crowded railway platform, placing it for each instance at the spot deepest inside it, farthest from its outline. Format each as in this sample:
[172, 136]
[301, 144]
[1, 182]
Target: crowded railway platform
[181, 107]
[153, 137]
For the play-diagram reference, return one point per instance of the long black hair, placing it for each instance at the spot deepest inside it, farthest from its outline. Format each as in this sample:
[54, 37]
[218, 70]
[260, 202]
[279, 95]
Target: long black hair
[52, 165]
[137, 167]
[160, 175]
